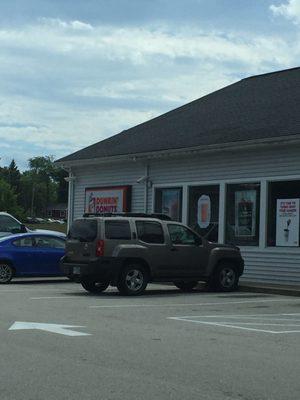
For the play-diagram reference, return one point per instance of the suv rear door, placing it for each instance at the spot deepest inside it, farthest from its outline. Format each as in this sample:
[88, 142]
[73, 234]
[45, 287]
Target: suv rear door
[82, 240]
[151, 235]
[187, 255]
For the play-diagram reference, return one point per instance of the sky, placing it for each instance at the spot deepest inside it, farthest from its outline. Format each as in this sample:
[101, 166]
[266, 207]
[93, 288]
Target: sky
[74, 72]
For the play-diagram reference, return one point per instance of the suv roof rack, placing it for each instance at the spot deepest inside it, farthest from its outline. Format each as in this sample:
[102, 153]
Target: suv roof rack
[163, 217]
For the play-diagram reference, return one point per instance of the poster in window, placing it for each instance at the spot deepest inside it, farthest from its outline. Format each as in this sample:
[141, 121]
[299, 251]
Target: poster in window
[287, 222]
[204, 211]
[171, 203]
[245, 213]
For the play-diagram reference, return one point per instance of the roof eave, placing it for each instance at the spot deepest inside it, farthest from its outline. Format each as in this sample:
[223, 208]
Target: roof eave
[230, 146]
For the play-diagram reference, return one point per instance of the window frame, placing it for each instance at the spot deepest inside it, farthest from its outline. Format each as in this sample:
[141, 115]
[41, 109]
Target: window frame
[181, 196]
[188, 216]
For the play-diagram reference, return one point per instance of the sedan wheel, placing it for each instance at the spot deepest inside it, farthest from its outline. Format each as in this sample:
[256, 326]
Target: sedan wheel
[6, 273]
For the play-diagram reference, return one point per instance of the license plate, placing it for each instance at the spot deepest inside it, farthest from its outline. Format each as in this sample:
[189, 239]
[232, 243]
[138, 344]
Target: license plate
[76, 270]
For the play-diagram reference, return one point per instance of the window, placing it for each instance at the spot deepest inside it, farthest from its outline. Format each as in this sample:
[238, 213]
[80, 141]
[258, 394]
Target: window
[169, 202]
[150, 232]
[117, 230]
[242, 214]
[283, 214]
[84, 230]
[8, 224]
[204, 211]
[48, 242]
[181, 235]
[24, 242]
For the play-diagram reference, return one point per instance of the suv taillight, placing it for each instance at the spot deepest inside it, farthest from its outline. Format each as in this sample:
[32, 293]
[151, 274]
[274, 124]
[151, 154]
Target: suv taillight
[100, 248]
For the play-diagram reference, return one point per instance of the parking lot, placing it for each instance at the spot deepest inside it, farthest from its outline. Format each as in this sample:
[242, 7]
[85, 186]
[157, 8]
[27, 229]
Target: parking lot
[59, 342]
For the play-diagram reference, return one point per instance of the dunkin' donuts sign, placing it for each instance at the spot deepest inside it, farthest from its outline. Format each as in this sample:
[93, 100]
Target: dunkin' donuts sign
[108, 199]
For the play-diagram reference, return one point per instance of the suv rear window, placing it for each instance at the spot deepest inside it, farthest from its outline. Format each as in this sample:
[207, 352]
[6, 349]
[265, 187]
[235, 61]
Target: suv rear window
[84, 230]
[117, 230]
[150, 232]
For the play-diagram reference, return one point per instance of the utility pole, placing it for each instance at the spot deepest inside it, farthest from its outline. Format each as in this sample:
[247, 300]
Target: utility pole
[32, 200]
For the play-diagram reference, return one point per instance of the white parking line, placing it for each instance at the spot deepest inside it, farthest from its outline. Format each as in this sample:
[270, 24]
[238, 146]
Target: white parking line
[255, 322]
[53, 297]
[192, 304]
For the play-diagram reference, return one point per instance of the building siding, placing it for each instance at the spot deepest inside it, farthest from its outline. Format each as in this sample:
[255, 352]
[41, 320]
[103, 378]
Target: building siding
[264, 265]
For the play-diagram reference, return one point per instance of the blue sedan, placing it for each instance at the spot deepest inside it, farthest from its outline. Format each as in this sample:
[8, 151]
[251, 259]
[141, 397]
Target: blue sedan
[30, 254]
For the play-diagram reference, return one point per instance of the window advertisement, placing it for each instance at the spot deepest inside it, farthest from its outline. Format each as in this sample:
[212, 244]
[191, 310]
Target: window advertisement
[287, 222]
[169, 202]
[245, 213]
[107, 200]
[204, 210]
[242, 214]
[283, 213]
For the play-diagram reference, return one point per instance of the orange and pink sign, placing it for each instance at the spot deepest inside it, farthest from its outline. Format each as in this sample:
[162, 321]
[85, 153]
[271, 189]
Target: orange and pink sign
[107, 199]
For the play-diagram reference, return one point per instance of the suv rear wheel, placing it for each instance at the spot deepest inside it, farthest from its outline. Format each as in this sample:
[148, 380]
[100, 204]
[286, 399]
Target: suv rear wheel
[186, 286]
[133, 280]
[94, 286]
[225, 277]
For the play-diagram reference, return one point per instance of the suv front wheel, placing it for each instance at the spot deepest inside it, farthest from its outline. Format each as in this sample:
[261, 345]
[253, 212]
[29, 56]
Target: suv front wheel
[133, 280]
[225, 277]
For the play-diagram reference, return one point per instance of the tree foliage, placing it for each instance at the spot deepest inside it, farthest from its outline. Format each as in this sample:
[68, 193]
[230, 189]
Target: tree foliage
[32, 191]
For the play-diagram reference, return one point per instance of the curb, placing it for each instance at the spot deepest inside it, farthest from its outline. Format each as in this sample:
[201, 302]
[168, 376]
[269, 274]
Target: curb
[270, 290]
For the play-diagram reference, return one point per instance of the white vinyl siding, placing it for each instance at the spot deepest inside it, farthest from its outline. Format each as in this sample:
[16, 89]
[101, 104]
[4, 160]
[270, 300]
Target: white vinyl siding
[258, 165]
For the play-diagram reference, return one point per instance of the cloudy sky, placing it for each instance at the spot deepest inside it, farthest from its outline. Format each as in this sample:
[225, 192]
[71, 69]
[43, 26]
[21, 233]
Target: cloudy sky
[76, 71]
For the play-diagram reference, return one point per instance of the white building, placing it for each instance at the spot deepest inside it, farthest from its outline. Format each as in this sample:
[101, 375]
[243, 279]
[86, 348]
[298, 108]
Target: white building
[237, 149]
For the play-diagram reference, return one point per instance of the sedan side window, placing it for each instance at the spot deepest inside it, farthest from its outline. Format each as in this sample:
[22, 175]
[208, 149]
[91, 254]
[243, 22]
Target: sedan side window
[182, 235]
[48, 242]
[24, 242]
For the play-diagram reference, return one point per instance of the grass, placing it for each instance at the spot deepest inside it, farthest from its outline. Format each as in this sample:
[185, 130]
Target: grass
[52, 227]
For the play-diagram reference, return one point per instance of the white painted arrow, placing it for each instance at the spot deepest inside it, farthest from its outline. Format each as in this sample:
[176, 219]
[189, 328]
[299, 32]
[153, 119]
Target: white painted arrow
[54, 328]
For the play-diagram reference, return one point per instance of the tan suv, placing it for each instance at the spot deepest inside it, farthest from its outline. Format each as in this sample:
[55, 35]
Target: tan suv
[130, 250]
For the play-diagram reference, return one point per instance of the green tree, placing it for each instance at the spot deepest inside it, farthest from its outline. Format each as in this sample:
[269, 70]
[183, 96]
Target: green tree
[8, 200]
[48, 184]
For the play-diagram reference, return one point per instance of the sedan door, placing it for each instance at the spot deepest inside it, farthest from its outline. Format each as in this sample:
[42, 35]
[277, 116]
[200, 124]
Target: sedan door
[187, 255]
[48, 250]
[22, 252]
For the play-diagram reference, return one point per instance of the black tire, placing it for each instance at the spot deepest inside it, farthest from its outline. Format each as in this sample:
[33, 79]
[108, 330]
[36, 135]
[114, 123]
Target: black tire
[225, 277]
[94, 286]
[6, 272]
[133, 280]
[186, 286]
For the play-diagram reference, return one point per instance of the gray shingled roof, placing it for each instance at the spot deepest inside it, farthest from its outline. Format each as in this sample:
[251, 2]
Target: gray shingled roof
[259, 107]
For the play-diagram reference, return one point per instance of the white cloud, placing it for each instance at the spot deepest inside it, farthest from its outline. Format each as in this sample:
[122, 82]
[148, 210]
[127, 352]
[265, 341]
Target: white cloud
[289, 10]
[67, 84]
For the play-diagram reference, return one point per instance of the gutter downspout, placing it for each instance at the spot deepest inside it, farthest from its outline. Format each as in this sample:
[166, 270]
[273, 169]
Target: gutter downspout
[146, 188]
[70, 179]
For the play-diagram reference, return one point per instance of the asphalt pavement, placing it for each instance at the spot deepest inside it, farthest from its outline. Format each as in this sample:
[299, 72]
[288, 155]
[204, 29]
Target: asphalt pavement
[59, 342]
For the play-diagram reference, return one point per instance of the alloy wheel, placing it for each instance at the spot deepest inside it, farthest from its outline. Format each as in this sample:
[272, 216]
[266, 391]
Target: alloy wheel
[134, 279]
[5, 273]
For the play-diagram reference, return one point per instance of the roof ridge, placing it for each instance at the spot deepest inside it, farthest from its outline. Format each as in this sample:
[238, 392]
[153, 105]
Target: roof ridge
[271, 73]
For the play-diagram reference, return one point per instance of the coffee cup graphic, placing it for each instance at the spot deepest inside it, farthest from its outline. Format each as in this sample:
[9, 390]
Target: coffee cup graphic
[287, 231]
